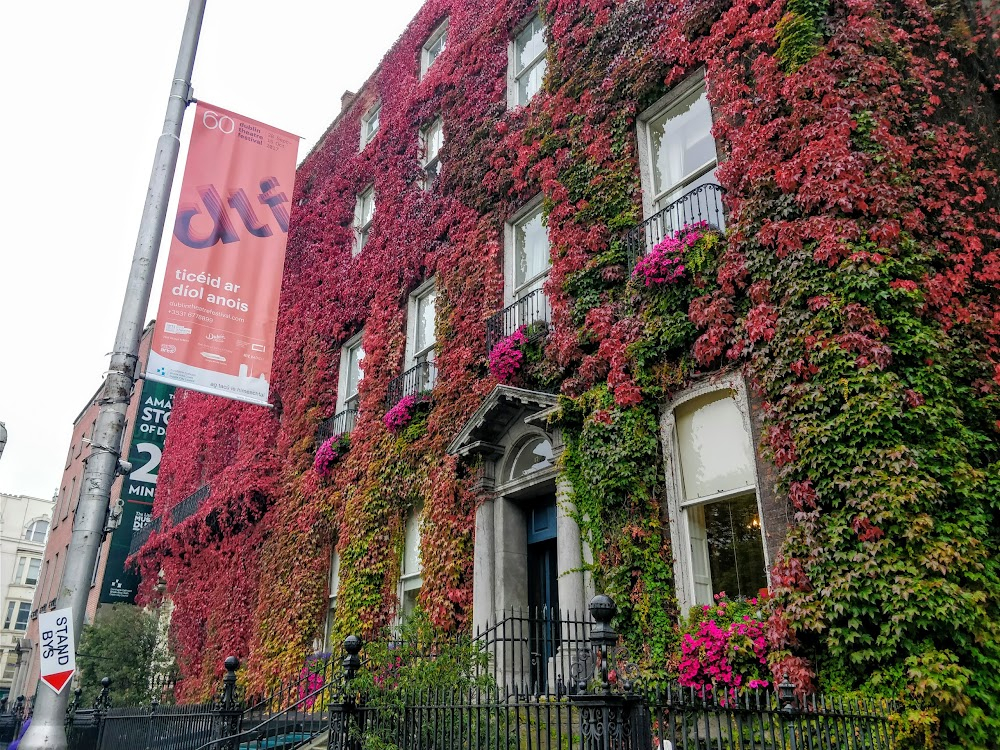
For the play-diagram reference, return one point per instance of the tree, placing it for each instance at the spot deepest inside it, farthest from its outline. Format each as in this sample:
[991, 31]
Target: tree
[120, 645]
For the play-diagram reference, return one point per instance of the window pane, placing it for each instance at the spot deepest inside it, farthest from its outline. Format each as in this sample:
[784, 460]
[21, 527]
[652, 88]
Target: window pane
[530, 82]
[9, 617]
[409, 603]
[436, 47]
[33, 567]
[531, 248]
[714, 446]
[425, 321]
[681, 141]
[534, 456]
[735, 547]
[528, 45]
[370, 125]
[433, 140]
[19, 575]
[334, 581]
[23, 612]
[355, 370]
[330, 622]
[334, 573]
[411, 545]
[367, 207]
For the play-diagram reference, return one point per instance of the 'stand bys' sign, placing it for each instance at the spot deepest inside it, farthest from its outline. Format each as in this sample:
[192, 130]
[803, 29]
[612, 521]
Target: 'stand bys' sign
[58, 655]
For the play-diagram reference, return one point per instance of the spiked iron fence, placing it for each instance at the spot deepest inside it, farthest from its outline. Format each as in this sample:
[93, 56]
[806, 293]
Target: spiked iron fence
[535, 652]
[543, 683]
[12, 712]
[598, 707]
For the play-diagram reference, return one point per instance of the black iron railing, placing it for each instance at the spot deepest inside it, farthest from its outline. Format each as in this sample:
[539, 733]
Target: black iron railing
[675, 718]
[341, 423]
[141, 536]
[557, 683]
[703, 204]
[535, 652]
[530, 312]
[291, 715]
[12, 713]
[153, 725]
[167, 727]
[418, 380]
[764, 720]
[189, 505]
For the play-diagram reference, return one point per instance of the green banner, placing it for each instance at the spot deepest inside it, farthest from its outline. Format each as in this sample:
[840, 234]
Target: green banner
[136, 503]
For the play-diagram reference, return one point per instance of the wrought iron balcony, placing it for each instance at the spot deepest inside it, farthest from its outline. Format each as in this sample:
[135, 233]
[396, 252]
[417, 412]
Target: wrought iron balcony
[189, 505]
[141, 536]
[418, 379]
[340, 423]
[530, 311]
[703, 204]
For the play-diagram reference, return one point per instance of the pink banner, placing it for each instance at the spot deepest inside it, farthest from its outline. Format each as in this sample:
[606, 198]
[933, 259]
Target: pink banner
[219, 307]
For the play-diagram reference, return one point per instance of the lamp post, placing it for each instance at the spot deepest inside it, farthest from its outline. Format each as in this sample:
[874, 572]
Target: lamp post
[47, 730]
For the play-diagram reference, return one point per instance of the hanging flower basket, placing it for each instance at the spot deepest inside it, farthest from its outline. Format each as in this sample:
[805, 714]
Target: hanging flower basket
[507, 356]
[724, 645]
[400, 415]
[330, 453]
[664, 264]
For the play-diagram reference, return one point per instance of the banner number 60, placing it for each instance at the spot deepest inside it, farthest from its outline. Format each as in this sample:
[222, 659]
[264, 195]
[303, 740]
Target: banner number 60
[212, 120]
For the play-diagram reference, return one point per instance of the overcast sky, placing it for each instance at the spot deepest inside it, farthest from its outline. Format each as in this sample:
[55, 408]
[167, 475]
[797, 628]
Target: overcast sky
[86, 87]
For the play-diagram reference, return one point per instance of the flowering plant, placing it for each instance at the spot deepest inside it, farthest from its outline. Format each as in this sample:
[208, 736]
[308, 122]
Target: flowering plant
[400, 415]
[665, 262]
[312, 677]
[724, 644]
[507, 356]
[330, 452]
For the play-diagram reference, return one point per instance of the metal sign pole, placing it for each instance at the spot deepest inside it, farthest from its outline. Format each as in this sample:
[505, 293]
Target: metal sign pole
[47, 730]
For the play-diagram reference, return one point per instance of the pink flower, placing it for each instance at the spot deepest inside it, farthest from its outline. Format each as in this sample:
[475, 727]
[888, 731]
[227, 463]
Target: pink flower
[329, 453]
[726, 648]
[506, 357]
[664, 263]
[402, 413]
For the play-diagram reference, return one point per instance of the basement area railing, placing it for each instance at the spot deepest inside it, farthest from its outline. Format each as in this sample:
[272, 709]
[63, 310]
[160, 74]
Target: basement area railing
[539, 682]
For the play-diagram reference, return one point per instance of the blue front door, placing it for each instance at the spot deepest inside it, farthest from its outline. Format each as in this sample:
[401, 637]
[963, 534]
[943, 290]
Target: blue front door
[543, 590]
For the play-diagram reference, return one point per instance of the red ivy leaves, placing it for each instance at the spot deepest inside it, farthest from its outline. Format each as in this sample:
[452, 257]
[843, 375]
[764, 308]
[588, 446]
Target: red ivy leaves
[856, 162]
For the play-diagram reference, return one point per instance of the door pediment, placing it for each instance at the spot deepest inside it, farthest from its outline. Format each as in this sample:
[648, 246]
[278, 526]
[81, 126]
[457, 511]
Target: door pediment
[505, 408]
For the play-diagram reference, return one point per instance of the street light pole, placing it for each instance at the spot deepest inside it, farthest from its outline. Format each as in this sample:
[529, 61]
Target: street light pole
[47, 731]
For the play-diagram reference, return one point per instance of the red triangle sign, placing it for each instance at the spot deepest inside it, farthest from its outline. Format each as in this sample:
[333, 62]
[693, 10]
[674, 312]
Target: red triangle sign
[58, 680]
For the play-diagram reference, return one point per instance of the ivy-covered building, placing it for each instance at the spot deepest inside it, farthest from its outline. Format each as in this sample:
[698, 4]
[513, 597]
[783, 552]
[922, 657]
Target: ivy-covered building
[657, 298]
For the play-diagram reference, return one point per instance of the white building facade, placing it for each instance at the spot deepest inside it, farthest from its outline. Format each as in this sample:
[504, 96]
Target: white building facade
[24, 527]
